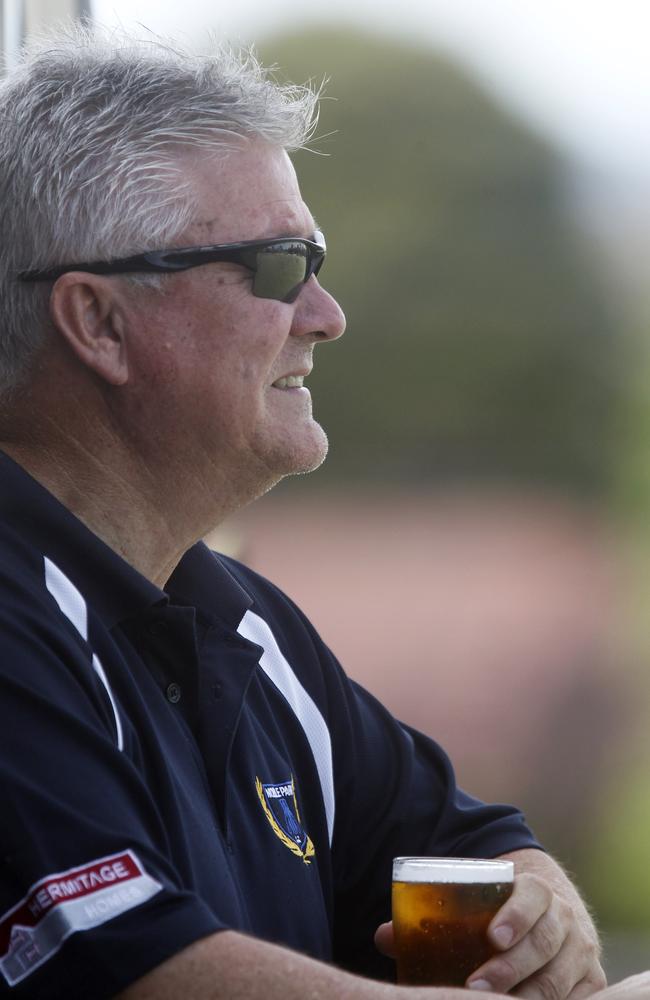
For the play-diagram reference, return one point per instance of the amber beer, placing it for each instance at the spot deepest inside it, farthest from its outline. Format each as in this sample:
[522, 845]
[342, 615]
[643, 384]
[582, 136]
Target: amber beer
[441, 911]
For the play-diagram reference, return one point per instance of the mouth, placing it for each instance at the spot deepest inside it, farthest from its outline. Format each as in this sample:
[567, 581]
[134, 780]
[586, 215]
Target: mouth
[289, 382]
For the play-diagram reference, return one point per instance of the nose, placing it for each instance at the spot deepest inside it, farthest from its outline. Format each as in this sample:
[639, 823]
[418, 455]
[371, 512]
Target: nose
[317, 313]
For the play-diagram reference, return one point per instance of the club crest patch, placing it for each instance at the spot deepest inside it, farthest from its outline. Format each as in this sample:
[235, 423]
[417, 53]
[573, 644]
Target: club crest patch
[281, 809]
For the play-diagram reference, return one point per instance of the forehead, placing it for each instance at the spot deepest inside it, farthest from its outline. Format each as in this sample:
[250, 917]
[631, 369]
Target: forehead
[250, 193]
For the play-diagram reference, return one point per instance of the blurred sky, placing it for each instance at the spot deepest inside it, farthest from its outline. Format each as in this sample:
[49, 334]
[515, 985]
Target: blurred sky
[580, 69]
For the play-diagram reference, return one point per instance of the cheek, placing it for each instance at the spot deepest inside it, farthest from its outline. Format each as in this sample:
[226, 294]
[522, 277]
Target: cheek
[253, 356]
[168, 365]
[221, 343]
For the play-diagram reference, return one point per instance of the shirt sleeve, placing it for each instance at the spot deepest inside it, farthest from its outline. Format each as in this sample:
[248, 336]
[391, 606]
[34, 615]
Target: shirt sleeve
[396, 796]
[395, 792]
[89, 898]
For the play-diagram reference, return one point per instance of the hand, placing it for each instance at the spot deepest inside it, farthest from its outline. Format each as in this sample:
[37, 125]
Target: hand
[544, 949]
[634, 988]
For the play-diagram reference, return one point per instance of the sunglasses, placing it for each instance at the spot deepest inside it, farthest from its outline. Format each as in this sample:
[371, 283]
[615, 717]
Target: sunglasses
[280, 266]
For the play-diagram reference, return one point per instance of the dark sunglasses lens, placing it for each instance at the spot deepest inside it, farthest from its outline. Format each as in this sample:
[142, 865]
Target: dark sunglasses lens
[279, 271]
[314, 264]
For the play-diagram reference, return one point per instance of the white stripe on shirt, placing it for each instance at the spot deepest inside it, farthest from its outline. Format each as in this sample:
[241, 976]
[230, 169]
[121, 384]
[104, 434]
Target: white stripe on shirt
[277, 668]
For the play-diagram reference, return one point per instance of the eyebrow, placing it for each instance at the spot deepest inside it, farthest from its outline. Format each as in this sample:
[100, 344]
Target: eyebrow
[287, 234]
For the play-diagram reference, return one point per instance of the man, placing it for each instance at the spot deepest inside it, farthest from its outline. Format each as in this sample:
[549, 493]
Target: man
[197, 801]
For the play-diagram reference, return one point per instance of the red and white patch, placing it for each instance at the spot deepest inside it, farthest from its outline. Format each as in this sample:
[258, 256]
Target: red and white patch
[60, 904]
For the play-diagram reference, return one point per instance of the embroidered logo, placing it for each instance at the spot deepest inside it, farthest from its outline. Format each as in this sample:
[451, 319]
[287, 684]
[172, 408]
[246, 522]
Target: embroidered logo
[62, 903]
[281, 809]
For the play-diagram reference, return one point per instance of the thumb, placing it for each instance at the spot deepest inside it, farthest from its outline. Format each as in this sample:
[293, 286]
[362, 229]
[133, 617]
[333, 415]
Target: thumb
[384, 939]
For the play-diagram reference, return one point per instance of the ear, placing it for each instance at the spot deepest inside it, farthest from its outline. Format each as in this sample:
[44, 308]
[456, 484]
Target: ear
[88, 312]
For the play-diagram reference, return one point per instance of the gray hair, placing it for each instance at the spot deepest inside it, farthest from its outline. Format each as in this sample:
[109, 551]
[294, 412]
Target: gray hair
[92, 125]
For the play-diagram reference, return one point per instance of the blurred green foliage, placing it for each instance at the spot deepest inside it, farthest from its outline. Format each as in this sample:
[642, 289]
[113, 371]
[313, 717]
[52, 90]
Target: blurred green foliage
[479, 345]
[617, 872]
[632, 481]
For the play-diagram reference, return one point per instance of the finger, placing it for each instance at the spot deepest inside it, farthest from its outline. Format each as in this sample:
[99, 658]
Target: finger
[530, 899]
[556, 981]
[385, 939]
[549, 984]
[588, 986]
[546, 940]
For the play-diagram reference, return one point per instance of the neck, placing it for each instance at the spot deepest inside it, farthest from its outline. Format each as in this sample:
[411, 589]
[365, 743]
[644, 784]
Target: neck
[129, 487]
[105, 498]
[148, 507]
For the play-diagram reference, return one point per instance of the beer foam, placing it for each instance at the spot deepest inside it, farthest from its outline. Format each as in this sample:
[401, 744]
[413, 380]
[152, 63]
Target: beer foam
[464, 870]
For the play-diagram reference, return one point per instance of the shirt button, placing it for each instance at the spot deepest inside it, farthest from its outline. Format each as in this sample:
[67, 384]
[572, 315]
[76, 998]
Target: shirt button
[217, 691]
[173, 692]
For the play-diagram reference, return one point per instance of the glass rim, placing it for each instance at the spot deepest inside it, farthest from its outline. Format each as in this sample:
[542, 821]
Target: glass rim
[450, 870]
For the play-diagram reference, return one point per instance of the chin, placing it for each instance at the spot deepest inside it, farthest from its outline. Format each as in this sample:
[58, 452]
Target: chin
[304, 454]
[317, 453]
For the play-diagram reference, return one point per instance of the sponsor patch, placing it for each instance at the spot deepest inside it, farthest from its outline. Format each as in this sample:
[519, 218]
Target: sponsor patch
[60, 904]
[281, 809]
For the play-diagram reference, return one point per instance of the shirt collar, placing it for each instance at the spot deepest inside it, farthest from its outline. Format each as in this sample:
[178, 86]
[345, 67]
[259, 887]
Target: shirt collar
[111, 586]
[203, 581]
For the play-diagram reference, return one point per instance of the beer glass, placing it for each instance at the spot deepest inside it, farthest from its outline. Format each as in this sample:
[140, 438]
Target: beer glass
[441, 911]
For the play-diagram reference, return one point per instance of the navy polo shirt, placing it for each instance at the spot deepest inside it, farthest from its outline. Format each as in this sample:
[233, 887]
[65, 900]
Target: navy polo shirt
[178, 762]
